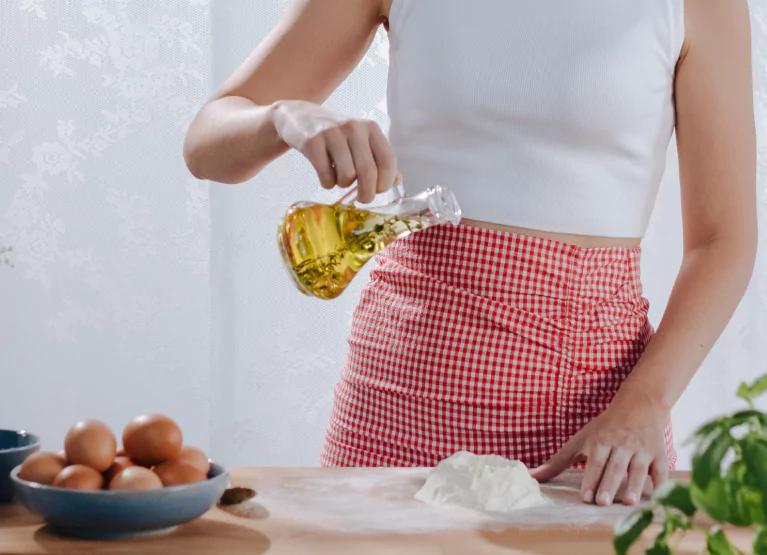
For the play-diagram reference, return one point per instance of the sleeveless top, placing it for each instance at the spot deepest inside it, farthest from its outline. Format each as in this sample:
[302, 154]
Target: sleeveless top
[551, 115]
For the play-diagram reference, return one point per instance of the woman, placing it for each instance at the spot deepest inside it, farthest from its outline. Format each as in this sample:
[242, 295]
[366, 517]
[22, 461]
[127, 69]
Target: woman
[523, 331]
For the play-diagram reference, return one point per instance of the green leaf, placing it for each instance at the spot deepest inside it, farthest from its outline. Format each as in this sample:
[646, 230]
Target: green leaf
[673, 494]
[734, 485]
[747, 416]
[662, 549]
[760, 541]
[709, 427]
[754, 502]
[718, 544]
[754, 390]
[707, 458]
[628, 530]
[713, 500]
[755, 456]
[675, 520]
[752, 496]
[754, 490]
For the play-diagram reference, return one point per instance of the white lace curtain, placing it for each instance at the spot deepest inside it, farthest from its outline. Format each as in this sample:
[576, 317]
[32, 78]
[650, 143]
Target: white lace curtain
[136, 288]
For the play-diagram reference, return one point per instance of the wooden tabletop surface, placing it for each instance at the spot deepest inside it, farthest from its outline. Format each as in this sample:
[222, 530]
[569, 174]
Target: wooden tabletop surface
[348, 511]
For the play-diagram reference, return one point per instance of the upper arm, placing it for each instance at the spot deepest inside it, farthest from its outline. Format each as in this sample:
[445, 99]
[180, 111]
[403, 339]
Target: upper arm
[715, 123]
[309, 54]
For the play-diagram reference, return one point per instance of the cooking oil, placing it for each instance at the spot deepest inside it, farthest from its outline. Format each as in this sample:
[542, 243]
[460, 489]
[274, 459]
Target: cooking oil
[325, 246]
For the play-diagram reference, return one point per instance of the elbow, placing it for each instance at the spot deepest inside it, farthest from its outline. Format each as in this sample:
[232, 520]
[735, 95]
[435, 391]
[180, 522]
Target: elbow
[193, 150]
[200, 169]
[192, 158]
[752, 250]
[197, 156]
[734, 251]
[744, 262]
[217, 144]
[204, 161]
[745, 265]
[738, 252]
[197, 166]
[748, 240]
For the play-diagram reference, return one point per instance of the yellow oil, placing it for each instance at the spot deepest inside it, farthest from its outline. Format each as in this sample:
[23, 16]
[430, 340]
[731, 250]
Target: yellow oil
[325, 246]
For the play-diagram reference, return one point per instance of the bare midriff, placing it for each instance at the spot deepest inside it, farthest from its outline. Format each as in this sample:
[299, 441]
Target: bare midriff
[585, 241]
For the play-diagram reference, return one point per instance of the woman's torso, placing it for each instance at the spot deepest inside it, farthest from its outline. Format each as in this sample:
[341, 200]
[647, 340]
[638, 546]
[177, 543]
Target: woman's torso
[546, 119]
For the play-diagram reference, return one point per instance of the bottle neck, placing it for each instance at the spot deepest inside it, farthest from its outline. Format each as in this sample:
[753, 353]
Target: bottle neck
[435, 206]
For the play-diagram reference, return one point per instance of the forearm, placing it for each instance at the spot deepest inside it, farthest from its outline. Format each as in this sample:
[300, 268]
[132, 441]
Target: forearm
[231, 140]
[710, 284]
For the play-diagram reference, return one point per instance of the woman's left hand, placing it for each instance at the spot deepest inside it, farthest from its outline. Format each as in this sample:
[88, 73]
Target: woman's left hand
[628, 438]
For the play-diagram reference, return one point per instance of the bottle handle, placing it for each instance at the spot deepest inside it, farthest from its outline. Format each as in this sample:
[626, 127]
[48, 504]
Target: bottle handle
[351, 197]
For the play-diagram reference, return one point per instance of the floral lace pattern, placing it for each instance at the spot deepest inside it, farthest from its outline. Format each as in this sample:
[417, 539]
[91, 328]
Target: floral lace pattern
[133, 288]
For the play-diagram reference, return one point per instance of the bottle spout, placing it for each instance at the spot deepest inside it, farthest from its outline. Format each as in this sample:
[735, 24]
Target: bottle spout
[443, 205]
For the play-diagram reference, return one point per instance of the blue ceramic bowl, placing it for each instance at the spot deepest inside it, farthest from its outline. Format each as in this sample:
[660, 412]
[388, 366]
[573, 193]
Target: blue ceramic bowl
[121, 514]
[14, 448]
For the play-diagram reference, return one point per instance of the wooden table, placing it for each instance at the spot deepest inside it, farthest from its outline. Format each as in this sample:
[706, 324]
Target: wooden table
[355, 512]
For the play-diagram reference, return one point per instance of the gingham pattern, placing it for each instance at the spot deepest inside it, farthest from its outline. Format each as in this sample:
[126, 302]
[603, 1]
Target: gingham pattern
[467, 338]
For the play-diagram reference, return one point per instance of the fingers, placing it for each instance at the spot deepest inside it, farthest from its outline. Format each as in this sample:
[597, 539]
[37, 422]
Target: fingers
[560, 462]
[659, 472]
[595, 467]
[316, 152]
[385, 160]
[639, 468]
[364, 163]
[355, 151]
[615, 471]
[341, 155]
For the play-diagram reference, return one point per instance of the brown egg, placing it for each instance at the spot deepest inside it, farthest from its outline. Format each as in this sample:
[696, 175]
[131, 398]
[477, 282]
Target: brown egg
[134, 478]
[91, 443]
[195, 457]
[42, 468]
[120, 464]
[79, 476]
[177, 473]
[151, 439]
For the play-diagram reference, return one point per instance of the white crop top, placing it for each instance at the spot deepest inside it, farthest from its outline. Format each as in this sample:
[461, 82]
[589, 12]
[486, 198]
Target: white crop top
[552, 115]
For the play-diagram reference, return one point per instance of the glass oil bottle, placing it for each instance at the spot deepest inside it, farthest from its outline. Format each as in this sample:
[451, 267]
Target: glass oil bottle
[324, 246]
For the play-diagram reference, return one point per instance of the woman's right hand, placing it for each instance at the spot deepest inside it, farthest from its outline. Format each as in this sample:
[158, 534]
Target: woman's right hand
[342, 149]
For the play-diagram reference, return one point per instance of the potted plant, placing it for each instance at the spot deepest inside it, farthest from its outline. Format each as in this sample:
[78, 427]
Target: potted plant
[728, 485]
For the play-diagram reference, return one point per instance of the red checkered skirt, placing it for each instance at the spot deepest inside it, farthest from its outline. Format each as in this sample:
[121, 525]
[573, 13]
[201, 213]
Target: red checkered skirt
[473, 339]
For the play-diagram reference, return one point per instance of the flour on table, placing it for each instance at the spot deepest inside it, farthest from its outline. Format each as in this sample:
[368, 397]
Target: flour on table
[487, 483]
[382, 500]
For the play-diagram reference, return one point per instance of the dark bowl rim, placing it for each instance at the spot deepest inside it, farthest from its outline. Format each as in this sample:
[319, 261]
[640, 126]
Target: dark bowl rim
[37, 442]
[116, 494]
